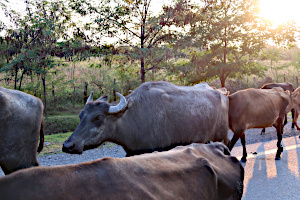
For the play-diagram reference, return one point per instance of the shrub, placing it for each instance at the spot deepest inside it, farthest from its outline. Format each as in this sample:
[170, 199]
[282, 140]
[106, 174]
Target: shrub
[60, 124]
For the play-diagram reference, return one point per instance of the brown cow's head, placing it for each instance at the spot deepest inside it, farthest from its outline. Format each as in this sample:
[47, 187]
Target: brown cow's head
[295, 99]
[95, 124]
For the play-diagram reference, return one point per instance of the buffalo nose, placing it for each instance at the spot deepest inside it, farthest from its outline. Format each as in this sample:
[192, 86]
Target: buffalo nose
[68, 147]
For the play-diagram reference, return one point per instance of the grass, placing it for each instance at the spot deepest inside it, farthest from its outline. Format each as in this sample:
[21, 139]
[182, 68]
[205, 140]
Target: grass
[53, 143]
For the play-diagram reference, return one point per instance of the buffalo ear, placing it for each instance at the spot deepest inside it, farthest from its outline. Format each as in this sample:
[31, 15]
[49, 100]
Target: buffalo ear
[103, 98]
[2, 99]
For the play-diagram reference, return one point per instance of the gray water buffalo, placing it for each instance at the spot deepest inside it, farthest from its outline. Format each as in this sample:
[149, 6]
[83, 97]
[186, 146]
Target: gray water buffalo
[285, 86]
[197, 171]
[21, 124]
[156, 116]
[259, 108]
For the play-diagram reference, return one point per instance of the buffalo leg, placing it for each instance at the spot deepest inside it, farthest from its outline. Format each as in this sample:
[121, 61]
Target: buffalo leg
[263, 131]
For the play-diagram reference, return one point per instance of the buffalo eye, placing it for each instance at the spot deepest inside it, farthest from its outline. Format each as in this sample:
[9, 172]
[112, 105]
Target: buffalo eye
[97, 119]
[80, 115]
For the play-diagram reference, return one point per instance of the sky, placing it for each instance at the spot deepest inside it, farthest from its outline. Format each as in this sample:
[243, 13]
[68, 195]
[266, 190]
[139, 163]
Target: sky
[280, 11]
[277, 11]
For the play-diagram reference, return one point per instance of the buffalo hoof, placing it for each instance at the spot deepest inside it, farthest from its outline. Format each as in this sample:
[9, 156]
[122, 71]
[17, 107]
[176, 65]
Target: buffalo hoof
[243, 160]
[277, 158]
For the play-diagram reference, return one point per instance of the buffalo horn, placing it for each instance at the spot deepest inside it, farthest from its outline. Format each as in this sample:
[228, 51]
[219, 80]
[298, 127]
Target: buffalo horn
[90, 97]
[121, 105]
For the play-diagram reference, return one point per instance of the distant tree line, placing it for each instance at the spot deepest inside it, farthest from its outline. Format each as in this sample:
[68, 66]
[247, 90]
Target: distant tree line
[133, 41]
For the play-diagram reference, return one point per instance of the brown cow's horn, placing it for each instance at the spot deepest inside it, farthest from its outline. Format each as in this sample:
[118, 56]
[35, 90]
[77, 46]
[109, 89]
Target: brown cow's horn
[90, 97]
[121, 105]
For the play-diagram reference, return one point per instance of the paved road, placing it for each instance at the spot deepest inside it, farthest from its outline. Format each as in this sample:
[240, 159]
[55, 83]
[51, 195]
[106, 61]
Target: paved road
[270, 179]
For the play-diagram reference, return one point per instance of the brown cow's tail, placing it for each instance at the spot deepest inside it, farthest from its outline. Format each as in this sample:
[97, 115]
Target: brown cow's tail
[41, 145]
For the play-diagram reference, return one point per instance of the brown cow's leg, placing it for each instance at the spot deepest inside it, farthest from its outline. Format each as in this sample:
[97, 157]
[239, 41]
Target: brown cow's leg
[279, 128]
[296, 115]
[236, 136]
[243, 141]
[263, 131]
[293, 116]
[285, 120]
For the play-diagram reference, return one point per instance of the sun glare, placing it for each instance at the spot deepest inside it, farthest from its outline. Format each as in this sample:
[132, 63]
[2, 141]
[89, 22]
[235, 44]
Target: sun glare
[280, 11]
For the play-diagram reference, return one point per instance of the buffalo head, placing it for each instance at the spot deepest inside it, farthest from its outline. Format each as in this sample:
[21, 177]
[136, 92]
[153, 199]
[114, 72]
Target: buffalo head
[96, 123]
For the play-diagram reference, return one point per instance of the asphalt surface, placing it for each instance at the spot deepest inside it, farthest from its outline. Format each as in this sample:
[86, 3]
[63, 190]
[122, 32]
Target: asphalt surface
[267, 178]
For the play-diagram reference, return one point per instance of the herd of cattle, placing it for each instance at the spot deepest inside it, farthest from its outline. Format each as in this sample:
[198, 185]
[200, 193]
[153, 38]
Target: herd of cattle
[178, 122]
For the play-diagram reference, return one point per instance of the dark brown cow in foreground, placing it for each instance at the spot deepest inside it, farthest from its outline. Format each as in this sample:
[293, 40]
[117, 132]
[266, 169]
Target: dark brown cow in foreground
[156, 116]
[21, 124]
[285, 86]
[197, 171]
[258, 108]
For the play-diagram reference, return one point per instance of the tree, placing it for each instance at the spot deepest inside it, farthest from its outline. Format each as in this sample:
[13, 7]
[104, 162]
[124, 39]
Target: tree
[30, 43]
[135, 28]
[234, 34]
[273, 55]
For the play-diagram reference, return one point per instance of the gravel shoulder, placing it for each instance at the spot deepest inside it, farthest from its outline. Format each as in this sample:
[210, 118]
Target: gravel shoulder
[108, 150]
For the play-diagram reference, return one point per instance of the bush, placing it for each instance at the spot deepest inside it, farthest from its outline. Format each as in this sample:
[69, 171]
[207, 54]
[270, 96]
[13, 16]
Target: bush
[60, 124]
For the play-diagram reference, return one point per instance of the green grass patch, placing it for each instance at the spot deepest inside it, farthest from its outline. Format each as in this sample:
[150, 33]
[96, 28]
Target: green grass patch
[53, 143]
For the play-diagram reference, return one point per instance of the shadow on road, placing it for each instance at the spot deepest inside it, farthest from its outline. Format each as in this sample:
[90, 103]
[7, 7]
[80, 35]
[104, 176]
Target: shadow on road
[272, 179]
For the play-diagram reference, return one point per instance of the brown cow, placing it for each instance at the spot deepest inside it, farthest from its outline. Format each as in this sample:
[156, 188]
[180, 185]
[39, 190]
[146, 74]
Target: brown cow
[197, 171]
[21, 124]
[245, 112]
[285, 86]
[296, 105]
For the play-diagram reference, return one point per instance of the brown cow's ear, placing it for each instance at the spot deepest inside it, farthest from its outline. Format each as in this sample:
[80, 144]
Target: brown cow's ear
[295, 94]
[287, 91]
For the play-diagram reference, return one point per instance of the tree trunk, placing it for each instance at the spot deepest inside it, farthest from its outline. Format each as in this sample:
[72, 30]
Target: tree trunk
[114, 90]
[222, 80]
[85, 94]
[45, 96]
[142, 70]
[142, 45]
[222, 75]
[21, 79]
[16, 77]
[74, 87]
[53, 94]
